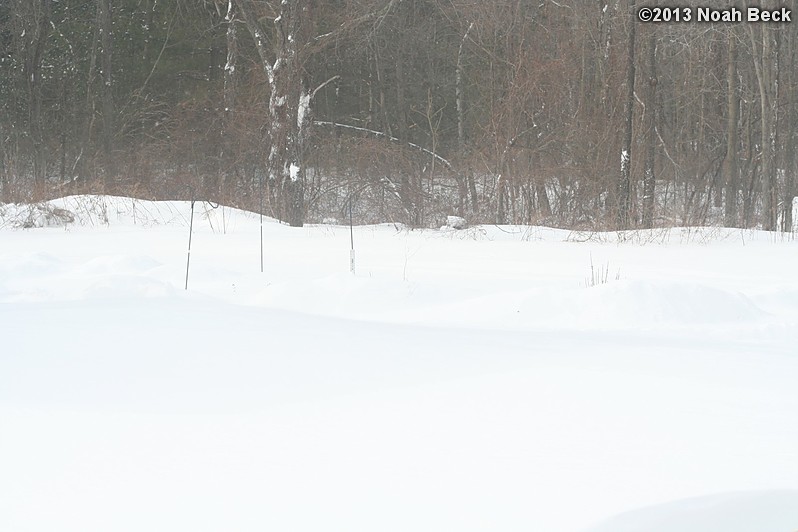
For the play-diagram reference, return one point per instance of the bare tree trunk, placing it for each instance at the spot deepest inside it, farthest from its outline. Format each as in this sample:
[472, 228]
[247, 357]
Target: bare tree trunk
[763, 64]
[733, 106]
[790, 121]
[289, 105]
[609, 13]
[544, 206]
[459, 89]
[465, 185]
[81, 164]
[230, 64]
[4, 192]
[33, 84]
[386, 121]
[106, 42]
[229, 96]
[752, 171]
[401, 105]
[501, 198]
[649, 183]
[769, 203]
[625, 181]
[62, 167]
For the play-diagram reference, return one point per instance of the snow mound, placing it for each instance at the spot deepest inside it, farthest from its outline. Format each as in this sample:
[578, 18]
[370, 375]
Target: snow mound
[767, 511]
[94, 210]
[618, 305]
[646, 303]
[27, 264]
[40, 276]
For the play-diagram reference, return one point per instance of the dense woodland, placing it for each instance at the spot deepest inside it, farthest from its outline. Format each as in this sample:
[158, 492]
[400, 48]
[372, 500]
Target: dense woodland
[567, 113]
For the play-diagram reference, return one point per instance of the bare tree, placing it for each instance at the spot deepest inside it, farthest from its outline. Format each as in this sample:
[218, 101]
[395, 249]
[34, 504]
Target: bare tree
[466, 185]
[732, 114]
[34, 29]
[624, 201]
[761, 36]
[790, 122]
[105, 24]
[288, 101]
[649, 177]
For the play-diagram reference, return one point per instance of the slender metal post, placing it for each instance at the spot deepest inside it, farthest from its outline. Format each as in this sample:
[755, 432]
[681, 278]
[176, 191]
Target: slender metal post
[260, 192]
[190, 232]
[351, 241]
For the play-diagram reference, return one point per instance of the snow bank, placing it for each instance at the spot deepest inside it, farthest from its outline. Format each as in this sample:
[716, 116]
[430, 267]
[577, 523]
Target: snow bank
[94, 210]
[617, 305]
[735, 512]
[463, 380]
[636, 304]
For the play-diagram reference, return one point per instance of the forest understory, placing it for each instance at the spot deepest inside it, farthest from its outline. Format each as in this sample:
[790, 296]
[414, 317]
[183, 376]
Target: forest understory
[566, 114]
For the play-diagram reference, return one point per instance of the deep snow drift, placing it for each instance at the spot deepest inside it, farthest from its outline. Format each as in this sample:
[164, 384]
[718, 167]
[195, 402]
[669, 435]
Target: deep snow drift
[461, 380]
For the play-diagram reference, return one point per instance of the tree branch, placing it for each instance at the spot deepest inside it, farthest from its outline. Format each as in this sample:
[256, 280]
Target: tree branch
[317, 89]
[445, 162]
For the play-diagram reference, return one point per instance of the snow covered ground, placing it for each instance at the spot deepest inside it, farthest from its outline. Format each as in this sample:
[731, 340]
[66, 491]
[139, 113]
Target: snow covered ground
[468, 380]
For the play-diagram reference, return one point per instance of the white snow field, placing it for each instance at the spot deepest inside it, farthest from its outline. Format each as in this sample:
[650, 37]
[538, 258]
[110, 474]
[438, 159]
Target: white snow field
[461, 381]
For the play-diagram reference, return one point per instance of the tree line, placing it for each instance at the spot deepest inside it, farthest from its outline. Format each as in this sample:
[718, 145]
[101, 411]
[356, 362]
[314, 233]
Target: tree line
[569, 113]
